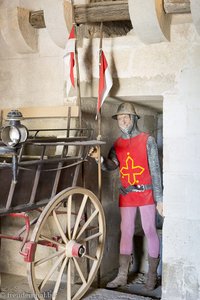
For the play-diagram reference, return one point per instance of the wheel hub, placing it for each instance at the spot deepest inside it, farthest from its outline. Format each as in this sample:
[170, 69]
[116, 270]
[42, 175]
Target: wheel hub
[74, 249]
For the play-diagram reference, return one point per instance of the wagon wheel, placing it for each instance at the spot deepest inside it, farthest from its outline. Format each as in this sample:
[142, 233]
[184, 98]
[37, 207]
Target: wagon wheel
[68, 239]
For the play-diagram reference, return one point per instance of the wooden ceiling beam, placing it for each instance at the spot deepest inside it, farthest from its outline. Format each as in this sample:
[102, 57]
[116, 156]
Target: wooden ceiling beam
[108, 11]
[177, 6]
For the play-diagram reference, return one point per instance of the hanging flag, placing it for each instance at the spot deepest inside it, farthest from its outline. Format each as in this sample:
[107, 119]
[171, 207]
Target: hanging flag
[69, 60]
[105, 81]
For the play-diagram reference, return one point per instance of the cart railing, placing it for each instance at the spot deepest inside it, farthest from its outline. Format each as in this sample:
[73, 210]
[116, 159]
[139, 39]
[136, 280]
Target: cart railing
[47, 162]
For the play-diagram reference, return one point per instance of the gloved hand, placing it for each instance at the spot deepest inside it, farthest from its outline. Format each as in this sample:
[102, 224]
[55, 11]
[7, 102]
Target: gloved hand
[159, 208]
[93, 152]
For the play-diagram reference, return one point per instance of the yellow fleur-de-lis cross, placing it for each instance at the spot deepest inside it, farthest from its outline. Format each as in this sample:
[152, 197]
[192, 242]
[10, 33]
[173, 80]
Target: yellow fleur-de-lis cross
[131, 171]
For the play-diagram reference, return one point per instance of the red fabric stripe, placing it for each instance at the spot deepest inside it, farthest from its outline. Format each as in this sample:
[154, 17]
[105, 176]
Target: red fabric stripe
[72, 33]
[72, 63]
[103, 66]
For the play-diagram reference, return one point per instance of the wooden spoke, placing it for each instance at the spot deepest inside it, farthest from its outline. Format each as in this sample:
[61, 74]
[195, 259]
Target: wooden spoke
[69, 209]
[90, 257]
[57, 285]
[91, 237]
[79, 270]
[60, 227]
[43, 260]
[51, 271]
[51, 241]
[78, 219]
[87, 223]
[69, 288]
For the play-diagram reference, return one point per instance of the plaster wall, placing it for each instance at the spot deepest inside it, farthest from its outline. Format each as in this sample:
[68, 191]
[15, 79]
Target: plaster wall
[170, 70]
[181, 169]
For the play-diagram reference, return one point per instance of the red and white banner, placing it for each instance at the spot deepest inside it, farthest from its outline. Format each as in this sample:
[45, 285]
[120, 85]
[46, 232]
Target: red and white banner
[105, 81]
[69, 61]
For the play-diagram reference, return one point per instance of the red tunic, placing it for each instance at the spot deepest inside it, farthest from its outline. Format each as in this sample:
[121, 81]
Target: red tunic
[134, 169]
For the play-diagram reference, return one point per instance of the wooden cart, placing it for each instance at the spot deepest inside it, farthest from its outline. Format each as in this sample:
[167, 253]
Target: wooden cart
[63, 232]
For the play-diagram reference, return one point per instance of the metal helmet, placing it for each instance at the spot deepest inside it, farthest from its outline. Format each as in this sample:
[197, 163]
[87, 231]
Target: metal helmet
[125, 108]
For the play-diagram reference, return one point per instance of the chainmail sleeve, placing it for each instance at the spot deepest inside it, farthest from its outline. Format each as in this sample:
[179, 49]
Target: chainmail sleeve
[154, 166]
[111, 163]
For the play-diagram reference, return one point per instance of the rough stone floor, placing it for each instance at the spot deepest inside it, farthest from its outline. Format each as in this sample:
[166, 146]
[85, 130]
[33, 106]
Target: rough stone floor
[136, 286]
[16, 287]
[103, 294]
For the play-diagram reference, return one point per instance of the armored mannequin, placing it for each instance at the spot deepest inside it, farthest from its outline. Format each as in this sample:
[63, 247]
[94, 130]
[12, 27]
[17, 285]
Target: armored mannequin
[135, 154]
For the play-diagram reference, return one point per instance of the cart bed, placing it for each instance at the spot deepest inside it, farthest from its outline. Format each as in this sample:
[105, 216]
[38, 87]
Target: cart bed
[46, 164]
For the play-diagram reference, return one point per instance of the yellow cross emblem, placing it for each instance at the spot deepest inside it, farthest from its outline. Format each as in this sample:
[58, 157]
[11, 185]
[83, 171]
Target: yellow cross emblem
[131, 171]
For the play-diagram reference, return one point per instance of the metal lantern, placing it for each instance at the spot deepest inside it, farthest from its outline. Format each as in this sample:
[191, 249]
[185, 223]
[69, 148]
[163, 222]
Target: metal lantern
[14, 133]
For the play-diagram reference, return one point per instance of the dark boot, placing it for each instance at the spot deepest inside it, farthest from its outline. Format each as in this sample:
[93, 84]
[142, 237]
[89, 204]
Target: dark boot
[121, 278]
[152, 273]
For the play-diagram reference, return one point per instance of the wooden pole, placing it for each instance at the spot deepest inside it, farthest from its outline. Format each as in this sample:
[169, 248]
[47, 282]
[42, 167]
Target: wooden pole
[99, 121]
[100, 51]
[108, 11]
[77, 68]
[99, 138]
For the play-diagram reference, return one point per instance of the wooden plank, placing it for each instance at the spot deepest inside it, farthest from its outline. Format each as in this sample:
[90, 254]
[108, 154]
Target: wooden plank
[107, 11]
[37, 178]
[46, 111]
[36, 19]
[89, 13]
[60, 164]
[177, 6]
[102, 12]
